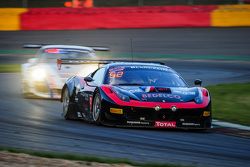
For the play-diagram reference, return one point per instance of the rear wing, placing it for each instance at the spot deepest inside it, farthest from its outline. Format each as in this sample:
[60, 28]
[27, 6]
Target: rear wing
[61, 62]
[38, 46]
[33, 46]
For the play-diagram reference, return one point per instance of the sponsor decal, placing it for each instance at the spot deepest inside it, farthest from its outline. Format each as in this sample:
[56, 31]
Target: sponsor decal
[149, 67]
[116, 110]
[116, 69]
[168, 124]
[142, 118]
[183, 92]
[190, 124]
[138, 122]
[160, 95]
[164, 90]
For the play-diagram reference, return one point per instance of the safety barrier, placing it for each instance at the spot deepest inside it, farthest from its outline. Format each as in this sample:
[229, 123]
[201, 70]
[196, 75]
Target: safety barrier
[10, 18]
[120, 17]
[231, 16]
[124, 17]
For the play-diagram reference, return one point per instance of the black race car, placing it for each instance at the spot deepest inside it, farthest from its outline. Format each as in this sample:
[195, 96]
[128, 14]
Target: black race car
[137, 95]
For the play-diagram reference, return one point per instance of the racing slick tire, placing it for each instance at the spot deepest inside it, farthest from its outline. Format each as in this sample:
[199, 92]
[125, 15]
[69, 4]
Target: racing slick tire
[97, 115]
[68, 106]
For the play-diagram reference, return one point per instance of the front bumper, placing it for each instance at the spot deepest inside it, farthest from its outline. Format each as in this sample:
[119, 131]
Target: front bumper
[43, 90]
[164, 118]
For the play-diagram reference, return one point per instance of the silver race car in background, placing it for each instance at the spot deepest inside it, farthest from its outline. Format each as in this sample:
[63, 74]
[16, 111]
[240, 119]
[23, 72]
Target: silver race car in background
[45, 75]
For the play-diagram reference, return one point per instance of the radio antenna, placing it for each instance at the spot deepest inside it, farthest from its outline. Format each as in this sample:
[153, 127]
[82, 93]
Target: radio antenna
[131, 48]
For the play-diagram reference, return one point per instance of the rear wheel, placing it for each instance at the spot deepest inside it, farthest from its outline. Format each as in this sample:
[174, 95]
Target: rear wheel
[96, 109]
[68, 107]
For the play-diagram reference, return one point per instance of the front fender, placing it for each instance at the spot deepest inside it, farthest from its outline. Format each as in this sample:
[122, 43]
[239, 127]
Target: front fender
[104, 95]
[70, 85]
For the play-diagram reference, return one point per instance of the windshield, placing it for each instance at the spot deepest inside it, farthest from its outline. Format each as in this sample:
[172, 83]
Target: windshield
[66, 54]
[144, 75]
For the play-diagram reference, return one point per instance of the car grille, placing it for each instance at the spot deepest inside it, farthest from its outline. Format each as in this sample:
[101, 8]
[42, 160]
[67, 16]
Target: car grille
[163, 114]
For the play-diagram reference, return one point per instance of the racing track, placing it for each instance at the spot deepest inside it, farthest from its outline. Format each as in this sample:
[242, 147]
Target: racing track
[36, 124]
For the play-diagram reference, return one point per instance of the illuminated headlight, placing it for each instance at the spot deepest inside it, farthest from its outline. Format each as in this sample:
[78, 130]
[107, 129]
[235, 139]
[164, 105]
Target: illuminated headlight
[38, 74]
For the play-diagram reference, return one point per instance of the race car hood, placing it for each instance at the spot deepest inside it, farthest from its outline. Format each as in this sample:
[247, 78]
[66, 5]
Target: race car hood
[160, 94]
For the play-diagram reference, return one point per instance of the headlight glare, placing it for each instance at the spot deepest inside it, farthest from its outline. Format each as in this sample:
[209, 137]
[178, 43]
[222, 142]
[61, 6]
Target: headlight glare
[38, 74]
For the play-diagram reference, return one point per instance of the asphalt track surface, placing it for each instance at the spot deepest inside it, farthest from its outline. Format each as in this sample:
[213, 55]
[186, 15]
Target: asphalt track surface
[37, 124]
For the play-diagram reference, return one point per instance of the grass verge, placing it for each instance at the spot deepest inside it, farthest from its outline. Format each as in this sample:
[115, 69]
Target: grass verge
[231, 102]
[10, 68]
[76, 157]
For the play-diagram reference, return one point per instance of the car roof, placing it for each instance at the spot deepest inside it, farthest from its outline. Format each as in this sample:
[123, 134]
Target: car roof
[68, 47]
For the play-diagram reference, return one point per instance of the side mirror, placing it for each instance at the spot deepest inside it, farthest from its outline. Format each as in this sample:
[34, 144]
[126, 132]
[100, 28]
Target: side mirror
[32, 60]
[198, 82]
[88, 79]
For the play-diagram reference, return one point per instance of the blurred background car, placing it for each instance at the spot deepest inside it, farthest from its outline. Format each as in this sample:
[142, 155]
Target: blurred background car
[44, 75]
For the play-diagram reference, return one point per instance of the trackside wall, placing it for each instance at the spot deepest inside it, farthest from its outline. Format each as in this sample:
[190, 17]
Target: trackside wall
[124, 17]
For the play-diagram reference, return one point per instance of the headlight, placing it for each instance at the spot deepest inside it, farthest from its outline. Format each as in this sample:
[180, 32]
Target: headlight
[38, 74]
[121, 95]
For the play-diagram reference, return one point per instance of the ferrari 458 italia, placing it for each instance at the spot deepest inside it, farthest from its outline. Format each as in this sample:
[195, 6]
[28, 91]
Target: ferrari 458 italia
[134, 94]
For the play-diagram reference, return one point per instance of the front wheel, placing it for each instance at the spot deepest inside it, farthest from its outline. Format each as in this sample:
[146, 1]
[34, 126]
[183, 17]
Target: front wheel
[68, 107]
[25, 90]
[96, 109]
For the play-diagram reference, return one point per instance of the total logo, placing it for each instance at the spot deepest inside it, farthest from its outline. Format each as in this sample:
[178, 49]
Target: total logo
[161, 124]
